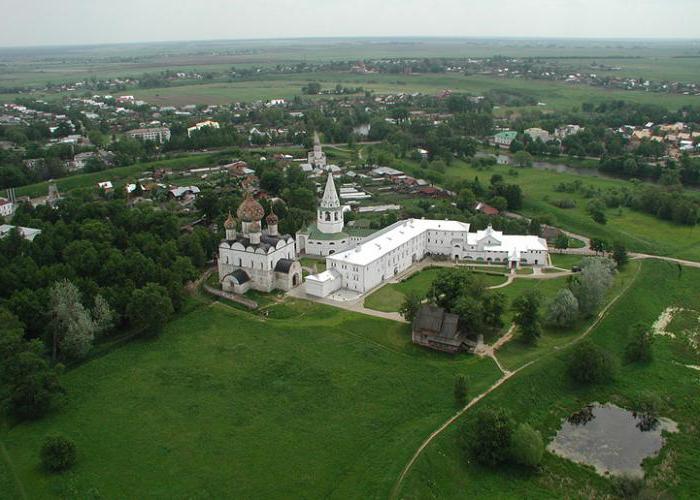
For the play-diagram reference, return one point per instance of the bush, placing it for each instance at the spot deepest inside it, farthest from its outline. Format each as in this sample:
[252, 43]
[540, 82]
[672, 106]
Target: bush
[639, 350]
[58, 453]
[490, 439]
[562, 311]
[460, 390]
[591, 364]
[527, 447]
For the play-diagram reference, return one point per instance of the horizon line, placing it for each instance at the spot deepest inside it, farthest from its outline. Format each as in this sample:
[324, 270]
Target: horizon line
[361, 37]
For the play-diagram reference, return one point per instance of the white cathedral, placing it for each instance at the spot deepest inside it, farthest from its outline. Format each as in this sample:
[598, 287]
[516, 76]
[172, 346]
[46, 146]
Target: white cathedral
[255, 258]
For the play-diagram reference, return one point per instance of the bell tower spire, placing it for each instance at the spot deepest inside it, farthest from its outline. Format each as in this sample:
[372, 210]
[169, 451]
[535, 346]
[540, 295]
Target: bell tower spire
[330, 213]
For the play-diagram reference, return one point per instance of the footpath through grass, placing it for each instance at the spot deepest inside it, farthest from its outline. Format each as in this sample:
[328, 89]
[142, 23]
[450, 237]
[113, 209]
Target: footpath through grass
[315, 403]
[542, 395]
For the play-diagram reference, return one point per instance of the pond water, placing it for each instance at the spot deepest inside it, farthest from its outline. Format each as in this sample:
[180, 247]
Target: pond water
[611, 439]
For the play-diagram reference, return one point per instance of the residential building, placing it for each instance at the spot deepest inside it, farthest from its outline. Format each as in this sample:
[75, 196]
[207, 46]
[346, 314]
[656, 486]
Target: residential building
[155, 134]
[7, 208]
[538, 133]
[201, 125]
[505, 139]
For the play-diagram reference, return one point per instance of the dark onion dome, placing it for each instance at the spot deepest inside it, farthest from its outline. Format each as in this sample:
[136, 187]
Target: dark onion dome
[230, 222]
[250, 210]
[272, 218]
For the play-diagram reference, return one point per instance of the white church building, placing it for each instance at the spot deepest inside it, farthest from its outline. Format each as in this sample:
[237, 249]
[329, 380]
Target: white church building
[263, 260]
[396, 248]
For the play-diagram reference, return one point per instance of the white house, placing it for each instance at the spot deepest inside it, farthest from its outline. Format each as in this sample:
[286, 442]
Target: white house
[28, 233]
[6, 207]
[156, 134]
[201, 125]
[538, 133]
[396, 248]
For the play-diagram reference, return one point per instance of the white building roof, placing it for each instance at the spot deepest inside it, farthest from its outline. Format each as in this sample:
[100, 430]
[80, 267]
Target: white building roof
[323, 277]
[392, 238]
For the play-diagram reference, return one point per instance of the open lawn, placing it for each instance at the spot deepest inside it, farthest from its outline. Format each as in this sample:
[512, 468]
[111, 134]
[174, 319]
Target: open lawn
[390, 297]
[315, 403]
[542, 395]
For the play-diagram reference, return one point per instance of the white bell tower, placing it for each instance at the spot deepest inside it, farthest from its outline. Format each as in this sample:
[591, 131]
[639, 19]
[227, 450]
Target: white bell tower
[330, 213]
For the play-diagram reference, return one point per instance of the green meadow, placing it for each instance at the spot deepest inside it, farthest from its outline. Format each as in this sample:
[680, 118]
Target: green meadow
[310, 402]
[542, 395]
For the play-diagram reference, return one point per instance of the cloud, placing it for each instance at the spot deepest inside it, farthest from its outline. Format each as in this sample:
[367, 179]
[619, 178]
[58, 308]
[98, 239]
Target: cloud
[38, 22]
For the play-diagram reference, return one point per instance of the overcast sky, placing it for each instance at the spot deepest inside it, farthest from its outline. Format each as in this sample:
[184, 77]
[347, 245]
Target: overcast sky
[53, 22]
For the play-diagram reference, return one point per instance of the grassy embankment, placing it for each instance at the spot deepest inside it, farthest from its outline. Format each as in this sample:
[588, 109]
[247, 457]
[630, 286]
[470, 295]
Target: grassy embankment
[543, 395]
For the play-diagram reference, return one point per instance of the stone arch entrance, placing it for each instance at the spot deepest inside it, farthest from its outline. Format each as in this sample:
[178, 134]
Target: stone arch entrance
[296, 279]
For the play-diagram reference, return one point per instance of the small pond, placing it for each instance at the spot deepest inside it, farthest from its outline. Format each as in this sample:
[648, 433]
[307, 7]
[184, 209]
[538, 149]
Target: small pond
[611, 439]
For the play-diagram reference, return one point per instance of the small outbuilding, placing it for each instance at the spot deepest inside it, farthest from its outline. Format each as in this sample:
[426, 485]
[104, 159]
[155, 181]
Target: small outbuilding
[437, 329]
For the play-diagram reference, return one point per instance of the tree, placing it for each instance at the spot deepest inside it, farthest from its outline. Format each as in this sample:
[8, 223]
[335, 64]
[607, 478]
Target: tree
[72, 326]
[103, 315]
[522, 159]
[590, 364]
[562, 311]
[592, 283]
[30, 384]
[562, 241]
[150, 308]
[490, 439]
[527, 447]
[619, 254]
[598, 245]
[410, 306]
[460, 390]
[58, 453]
[596, 210]
[639, 348]
[527, 316]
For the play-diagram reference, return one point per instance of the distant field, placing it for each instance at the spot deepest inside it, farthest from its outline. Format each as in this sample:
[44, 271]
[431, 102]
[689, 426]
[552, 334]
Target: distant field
[555, 95]
[654, 60]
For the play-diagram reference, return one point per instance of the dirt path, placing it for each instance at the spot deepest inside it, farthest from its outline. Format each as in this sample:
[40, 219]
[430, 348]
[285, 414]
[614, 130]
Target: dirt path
[506, 376]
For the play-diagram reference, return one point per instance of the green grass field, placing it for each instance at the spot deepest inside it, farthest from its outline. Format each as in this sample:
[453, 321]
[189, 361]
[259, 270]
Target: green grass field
[315, 403]
[556, 95]
[390, 297]
[542, 395]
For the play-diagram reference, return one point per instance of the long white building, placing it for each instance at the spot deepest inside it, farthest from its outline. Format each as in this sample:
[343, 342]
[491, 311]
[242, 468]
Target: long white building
[397, 247]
